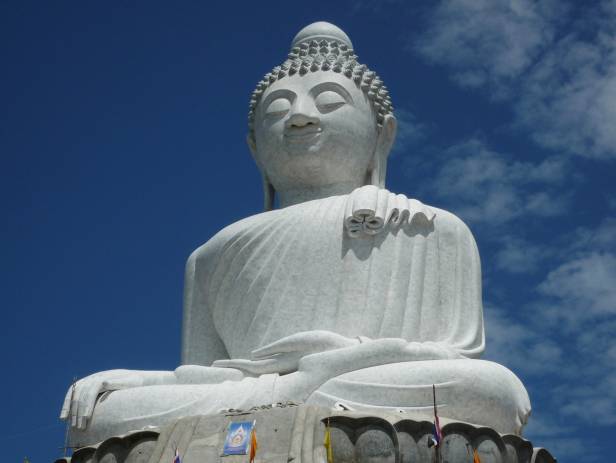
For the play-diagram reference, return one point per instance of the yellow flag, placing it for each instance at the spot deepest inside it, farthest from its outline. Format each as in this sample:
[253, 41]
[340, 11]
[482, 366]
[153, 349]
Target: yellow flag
[327, 442]
[476, 458]
[253, 445]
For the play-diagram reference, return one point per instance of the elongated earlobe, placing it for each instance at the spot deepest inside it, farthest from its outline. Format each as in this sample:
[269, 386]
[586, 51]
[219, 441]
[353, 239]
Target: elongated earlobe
[269, 194]
[385, 140]
[378, 172]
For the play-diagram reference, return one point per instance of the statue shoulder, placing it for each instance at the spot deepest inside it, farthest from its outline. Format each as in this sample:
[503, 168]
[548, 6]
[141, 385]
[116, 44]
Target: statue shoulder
[448, 224]
[210, 251]
[448, 219]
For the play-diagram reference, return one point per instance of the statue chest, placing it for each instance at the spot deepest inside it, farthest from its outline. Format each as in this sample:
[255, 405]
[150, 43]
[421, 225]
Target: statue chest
[296, 270]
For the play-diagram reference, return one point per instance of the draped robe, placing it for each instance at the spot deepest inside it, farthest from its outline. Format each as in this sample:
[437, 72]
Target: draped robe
[369, 264]
[295, 269]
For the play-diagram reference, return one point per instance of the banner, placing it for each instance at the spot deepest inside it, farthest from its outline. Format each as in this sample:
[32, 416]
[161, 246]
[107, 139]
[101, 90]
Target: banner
[238, 438]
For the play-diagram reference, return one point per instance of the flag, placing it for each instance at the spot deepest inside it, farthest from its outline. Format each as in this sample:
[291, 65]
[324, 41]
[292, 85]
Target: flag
[239, 438]
[176, 457]
[327, 442]
[253, 445]
[476, 458]
[438, 435]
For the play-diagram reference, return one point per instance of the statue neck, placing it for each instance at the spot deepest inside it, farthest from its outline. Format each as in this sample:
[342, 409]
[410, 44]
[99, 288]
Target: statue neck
[293, 196]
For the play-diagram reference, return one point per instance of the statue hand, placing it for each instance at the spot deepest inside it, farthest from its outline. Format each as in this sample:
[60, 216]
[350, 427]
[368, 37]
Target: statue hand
[80, 401]
[315, 369]
[283, 356]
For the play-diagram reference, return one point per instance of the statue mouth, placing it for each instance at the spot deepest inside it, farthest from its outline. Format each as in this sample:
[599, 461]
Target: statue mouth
[304, 135]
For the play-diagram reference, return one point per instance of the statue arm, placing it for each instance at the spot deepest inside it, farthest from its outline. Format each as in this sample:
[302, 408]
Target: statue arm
[465, 331]
[81, 398]
[285, 355]
[201, 344]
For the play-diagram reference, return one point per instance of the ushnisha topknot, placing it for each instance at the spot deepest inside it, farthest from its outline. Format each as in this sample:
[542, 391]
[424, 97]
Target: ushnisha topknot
[321, 46]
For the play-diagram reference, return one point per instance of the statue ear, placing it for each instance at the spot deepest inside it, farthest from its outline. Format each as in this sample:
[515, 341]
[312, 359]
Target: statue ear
[252, 145]
[268, 194]
[268, 189]
[385, 140]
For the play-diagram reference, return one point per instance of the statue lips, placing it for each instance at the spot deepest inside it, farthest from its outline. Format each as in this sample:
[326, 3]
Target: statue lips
[302, 135]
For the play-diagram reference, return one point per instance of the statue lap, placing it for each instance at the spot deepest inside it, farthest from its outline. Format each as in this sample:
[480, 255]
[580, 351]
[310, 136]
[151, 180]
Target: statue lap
[476, 391]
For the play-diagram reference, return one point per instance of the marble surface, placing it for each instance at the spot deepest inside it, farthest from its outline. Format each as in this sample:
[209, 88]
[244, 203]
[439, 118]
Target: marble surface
[346, 295]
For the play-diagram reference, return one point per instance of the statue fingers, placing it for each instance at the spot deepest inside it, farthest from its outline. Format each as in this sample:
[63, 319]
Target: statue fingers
[121, 383]
[287, 362]
[82, 422]
[77, 415]
[306, 342]
[299, 342]
[253, 367]
[76, 399]
[66, 405]
[86, 400]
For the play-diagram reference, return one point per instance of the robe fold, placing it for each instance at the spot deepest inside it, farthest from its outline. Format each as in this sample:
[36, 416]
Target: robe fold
[296, 269]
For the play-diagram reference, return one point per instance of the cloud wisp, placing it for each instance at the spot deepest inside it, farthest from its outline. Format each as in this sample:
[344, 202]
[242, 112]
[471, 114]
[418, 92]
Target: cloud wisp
[567, 330]
[487, 43]
[487, 187]
[555, 63]
[410, 131]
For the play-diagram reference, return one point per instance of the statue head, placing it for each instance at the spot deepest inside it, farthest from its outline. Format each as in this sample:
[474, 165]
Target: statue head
[320, 119]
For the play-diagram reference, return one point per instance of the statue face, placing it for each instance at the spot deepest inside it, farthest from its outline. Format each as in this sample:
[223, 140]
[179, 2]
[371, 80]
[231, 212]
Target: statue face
[314, 130]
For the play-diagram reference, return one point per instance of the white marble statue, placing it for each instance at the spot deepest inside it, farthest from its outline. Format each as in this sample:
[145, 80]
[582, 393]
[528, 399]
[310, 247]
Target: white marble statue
[346, 295]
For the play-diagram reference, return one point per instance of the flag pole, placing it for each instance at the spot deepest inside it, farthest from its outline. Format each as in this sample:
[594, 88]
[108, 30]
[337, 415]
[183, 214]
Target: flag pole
[437, 448]
[434, 398]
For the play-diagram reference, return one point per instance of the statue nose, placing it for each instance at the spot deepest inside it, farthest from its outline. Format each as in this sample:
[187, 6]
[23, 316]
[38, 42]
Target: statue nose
[301, 119]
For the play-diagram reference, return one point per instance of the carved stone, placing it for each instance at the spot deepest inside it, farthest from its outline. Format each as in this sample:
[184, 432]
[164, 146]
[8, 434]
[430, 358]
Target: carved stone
[296, 433]
[347, 295]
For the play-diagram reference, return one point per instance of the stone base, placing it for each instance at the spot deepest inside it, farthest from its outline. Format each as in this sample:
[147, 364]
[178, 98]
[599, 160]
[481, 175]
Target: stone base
[289, 432]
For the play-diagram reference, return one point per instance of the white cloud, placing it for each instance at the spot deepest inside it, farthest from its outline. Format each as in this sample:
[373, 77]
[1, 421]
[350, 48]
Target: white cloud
[410, 131]
[580, 287]
[561, 438]
[599, 238]
[518, 255]
[567, 99]
[584, 284]
[594, 402]
[485, 186]
[577, 303]
[567, 332]
[487, 42]
[512, 342]
[562, 85]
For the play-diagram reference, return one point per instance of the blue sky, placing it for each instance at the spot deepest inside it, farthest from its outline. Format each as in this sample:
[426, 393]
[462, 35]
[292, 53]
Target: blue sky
[122, 150]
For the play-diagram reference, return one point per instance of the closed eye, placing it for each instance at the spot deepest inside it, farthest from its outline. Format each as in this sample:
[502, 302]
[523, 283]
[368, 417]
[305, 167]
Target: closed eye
[278, 108]
[329, 101]
[329, 107]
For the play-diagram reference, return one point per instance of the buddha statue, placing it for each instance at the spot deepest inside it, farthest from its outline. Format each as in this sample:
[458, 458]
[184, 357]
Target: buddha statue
[340, 294]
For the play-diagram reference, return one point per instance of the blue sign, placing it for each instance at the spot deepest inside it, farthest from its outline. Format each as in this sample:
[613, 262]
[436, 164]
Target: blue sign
[238, 438]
